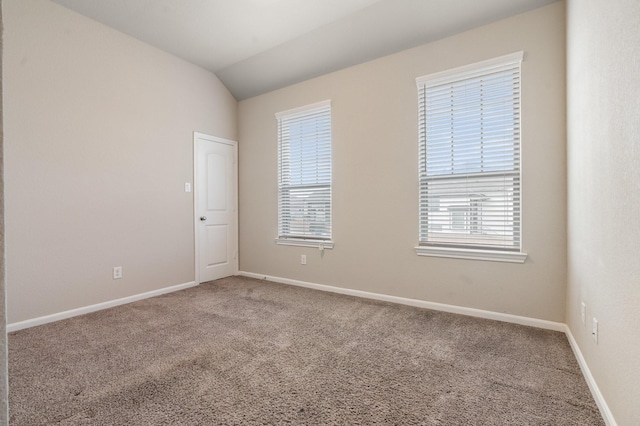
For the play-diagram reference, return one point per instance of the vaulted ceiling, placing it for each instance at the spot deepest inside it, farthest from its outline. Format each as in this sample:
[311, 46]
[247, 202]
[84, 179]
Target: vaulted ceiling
[255, 46]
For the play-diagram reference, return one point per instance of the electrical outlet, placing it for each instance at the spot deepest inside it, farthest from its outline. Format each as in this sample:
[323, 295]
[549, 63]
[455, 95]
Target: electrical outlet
[583, 313]
[117, 272]
[594, 332]
[303, 259]
[187, 187]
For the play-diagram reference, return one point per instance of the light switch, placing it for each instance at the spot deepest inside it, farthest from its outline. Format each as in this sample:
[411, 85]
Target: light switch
[187, 187]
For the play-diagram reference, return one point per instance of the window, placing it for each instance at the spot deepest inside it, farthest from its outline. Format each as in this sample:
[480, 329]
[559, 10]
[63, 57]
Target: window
[304, 176]
[469, 167]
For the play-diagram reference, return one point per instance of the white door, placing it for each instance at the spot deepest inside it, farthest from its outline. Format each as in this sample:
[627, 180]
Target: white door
[215, 207]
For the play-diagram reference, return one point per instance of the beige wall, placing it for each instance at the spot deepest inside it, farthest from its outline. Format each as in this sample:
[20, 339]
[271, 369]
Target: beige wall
[375, 205]
[4, 406]
[98, 146]
[603, 45]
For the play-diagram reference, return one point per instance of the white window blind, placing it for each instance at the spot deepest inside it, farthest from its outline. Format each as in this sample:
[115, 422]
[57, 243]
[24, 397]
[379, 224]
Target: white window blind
[304, 173]
[469, 149]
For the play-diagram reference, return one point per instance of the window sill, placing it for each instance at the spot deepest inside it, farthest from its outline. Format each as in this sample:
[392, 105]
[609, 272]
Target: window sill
[305, 243]
[472, 254]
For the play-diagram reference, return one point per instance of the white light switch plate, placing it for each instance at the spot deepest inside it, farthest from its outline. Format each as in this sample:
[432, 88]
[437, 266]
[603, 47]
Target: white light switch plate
[187, 187]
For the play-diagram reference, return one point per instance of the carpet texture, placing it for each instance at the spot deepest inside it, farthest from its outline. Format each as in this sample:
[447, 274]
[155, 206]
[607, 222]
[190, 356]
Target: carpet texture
[240, 351]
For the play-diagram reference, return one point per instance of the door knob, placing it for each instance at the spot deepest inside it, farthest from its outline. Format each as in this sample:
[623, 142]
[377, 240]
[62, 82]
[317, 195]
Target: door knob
[203, 218]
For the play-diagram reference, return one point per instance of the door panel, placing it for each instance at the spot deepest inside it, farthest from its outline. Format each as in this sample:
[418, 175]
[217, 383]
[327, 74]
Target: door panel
[217, 182]
[216, 212]
[217, 243]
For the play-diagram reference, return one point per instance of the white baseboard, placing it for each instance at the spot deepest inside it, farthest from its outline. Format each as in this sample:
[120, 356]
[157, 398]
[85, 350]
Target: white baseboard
[593, 386]
[92, 308]
[515, 319]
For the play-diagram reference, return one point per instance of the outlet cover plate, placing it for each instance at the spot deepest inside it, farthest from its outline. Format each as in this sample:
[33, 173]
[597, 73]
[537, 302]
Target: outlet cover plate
[117, 272]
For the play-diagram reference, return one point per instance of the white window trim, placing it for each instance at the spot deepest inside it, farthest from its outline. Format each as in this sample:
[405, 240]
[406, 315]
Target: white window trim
[472, 254]
[467, 71]
[299, 242]
[303, 109]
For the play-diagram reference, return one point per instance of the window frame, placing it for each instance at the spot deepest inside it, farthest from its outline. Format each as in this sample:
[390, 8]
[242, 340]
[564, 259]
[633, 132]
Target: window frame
[458, 249]
[304, 240]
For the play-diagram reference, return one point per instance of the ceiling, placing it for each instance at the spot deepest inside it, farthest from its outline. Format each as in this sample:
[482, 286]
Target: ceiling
[255, 46]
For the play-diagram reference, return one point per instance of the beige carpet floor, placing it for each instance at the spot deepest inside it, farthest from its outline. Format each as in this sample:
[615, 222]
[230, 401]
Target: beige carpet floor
[239, 351]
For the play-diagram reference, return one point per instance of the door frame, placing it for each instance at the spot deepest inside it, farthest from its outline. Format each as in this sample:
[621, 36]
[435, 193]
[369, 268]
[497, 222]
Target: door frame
[234, 144]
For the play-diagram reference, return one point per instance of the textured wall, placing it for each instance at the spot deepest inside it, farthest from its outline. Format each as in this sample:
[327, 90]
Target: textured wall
[603, 50]
[375, 192]
[3, 317]
[98, 146]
